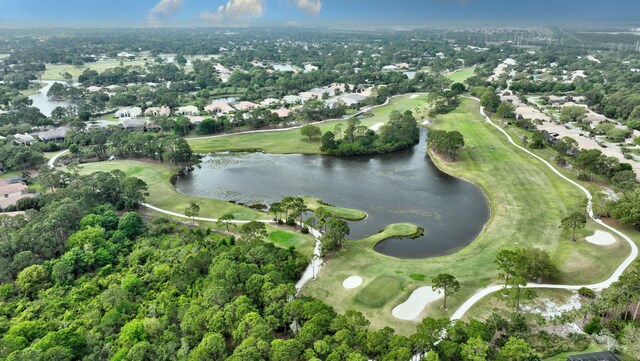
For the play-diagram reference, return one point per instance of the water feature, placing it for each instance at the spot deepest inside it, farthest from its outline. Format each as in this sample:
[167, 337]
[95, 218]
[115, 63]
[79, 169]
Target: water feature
[392, 188]
[42, 102]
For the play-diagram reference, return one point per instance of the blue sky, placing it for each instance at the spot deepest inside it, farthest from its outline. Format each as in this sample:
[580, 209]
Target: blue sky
[228, 11]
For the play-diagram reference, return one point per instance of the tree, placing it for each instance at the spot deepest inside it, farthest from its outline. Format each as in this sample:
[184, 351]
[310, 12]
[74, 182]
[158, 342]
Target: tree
[310, 131]
[516, 349]
[518, 293]
[490, 100]
[192, 211]
[32, 279]
[212, 347]
[506, 110]
[328, 142]
[572, 114]
[508, 262]
[131, 225]
[225, 220]
[627, 208]
[574, 220]
[253, 230]
[475, 349]
[631, 340]
[447, 283]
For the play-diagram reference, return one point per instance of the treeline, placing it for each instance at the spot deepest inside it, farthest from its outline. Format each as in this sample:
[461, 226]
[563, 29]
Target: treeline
[161, 147]
[19, 157]
[446, 143]
[400, 132]
[174, 293]
[43, 233]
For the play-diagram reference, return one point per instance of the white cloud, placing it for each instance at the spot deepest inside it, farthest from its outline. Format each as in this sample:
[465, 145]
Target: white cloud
[165, 7]
[235, 9]
[312, 7]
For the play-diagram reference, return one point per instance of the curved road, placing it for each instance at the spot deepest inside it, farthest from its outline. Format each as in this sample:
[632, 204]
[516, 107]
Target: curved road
[596, 286]
[52, 162]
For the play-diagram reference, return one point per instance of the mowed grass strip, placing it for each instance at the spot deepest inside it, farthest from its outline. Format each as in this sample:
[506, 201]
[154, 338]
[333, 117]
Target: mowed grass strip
[461, 75]
[349, 214]
[162, 194]
[291, 141]
[286, 239]
[379, 291]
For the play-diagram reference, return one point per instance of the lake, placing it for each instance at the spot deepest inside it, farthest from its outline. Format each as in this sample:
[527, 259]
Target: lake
[393, 188]
[42, 102]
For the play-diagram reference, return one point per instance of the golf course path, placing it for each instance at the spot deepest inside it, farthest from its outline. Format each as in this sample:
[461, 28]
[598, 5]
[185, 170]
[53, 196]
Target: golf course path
[596, 286]
[52, 162]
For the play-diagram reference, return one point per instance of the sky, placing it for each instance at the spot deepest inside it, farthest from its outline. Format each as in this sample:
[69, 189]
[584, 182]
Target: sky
[198, 12]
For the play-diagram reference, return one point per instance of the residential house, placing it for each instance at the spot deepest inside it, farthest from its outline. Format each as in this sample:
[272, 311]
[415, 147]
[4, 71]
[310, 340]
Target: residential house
[293, 99]
[245, 105]
[282, 112]
[188, 110]
[219, 108]
[390, 67]
[53, 135]
[132, 112]
[132, 123]
[24, 139]
[269, 102]
[10, 194]
[158, 111]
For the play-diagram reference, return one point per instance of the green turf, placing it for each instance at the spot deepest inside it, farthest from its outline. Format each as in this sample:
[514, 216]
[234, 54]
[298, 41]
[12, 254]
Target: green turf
[461, 75]
[55, 71]
[162, 193]
[349, 214]
[286, 239]
[527, 202]
[379, 291]
[417, 277]
[34, 88]
[291, 141]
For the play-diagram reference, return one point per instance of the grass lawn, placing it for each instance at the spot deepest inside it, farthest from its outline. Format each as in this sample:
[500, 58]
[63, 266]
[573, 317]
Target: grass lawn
[55, 71]
[34, 88]
[286, 239]
[162, 193]
[339, 212]
[290, 141]
[461, 75]
[527, 202]
[379, 291]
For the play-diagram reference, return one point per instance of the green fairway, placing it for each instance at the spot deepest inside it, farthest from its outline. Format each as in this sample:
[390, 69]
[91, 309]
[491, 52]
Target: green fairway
[461, 75]
[286, 239]
[290, 141]
[527, 202]
[349, 214]
[379, 291]
[162, 194]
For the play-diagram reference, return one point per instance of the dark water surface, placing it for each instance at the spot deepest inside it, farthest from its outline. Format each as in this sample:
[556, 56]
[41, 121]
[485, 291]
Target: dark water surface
[393, 188]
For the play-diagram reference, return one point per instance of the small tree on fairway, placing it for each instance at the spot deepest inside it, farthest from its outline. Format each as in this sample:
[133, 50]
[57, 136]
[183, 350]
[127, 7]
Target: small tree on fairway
[192, 211]
[310, 131]
[225, 220]
[447, 283]
[574, 220]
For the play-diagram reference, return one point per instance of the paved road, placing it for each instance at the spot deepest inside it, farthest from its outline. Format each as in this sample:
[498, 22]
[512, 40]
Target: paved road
[52, 161]
[596, 286]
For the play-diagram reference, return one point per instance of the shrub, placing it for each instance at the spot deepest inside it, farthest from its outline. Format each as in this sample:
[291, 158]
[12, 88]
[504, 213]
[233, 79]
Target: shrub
[593, 326]
[587, 292]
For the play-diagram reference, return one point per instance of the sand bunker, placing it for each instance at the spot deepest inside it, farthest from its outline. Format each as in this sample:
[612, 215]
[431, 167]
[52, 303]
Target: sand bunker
[601, 238]
[414, 96]
[413, 306]
[376, 126]
[352, 282]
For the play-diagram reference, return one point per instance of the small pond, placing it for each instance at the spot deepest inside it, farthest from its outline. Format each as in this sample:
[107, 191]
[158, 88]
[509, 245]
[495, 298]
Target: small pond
[392, 188]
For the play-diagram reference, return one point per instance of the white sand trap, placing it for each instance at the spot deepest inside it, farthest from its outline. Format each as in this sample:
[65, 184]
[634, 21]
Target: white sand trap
[426, 122]
[601, 238]
[376, 126]
[414, 96]
[352, 282]
[419, 299]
